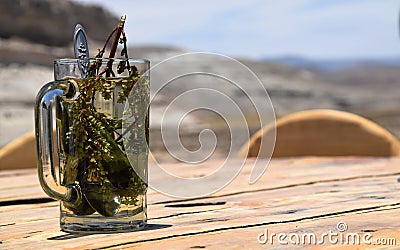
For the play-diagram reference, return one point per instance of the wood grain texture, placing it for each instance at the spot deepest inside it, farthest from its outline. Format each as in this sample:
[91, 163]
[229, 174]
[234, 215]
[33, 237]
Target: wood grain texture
[294, 196]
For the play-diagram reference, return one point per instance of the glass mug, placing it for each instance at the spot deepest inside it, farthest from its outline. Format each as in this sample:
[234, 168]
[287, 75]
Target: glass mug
[100, 145]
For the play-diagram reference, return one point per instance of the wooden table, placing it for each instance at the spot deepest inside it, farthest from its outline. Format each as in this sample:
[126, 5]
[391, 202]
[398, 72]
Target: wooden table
[296, 197]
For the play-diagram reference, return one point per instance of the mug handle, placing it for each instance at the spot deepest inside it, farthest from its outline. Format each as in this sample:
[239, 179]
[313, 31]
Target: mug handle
[46, 100]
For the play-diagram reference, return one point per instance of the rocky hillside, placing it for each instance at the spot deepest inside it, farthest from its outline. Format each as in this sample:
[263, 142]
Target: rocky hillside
[48, 21]
[38, 31]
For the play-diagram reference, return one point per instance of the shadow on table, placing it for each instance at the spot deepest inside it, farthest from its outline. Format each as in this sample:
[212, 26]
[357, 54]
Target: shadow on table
[68, 236]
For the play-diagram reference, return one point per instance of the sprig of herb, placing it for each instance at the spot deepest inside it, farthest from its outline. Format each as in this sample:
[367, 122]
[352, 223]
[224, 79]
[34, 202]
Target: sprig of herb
[97, 151]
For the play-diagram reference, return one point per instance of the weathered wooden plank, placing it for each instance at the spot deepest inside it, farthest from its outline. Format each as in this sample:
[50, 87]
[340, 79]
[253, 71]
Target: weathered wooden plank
[280, 173]
[247, 237]
[365, 190]
[17, 172]
[304, 193]
[304, 203]
[223, 239]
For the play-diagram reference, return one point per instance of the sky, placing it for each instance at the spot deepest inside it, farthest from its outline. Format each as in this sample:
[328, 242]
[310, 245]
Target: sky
[318, 29]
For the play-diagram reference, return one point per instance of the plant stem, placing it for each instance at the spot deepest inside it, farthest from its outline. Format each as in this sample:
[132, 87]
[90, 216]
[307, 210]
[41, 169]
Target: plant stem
[115, 44]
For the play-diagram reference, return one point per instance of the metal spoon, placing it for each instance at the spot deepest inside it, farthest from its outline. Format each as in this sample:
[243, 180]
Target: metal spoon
[81, 48]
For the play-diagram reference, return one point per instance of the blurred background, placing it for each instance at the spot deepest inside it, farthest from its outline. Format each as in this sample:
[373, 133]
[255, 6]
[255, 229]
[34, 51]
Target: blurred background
[339, 54]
